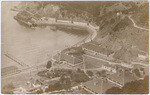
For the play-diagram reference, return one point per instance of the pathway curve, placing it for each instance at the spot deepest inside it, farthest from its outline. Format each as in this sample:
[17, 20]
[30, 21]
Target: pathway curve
[136, 25]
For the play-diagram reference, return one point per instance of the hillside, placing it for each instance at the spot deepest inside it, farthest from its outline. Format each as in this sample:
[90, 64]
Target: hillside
[112, 17]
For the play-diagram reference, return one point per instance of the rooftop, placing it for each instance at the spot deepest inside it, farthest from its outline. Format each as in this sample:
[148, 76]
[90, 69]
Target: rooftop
[97, 48]
[99, 85]
[126, 54]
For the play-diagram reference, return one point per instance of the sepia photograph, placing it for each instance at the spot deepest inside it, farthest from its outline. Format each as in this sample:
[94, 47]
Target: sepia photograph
[75, 47]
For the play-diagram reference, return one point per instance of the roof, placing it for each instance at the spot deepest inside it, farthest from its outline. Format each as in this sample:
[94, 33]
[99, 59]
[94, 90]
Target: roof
[95, 47]
[70, 58]
[76, 52]
[110, 43]
[94, 85]
[126, 54]
[121, 78]
[99, 85]
[92, 63]
[37, 16]
[128, 77]
[117, 77]
[67, 57]
[107, 85]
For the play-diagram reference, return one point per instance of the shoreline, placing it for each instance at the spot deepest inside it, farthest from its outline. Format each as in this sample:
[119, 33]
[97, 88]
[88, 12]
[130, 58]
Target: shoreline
[80, 25]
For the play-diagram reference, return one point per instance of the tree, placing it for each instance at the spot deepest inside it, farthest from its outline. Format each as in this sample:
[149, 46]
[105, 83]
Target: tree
[40, 91]
[90, 73]
[79, 70]
[101, 73]
[56, 86]
[137, 72]
[79, 77]
[65, 81]
[114, 90]
[8, 89]
[49, 64]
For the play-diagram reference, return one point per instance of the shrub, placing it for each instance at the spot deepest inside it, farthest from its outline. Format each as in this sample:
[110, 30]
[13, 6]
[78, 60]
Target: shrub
[90, 73]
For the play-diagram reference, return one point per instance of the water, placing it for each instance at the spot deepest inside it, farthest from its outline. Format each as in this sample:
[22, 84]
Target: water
[31, 46]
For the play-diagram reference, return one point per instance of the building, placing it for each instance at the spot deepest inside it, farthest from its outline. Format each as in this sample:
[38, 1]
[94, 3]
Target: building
[91, 62]
[24, 15]
[122, 77]
[72, 60]
[110, 68]
[142, 55]
[27, 17]
[37, 16]
[71, 57]
[93, 48]
[102, 84]
[126, 54]
[98, 85]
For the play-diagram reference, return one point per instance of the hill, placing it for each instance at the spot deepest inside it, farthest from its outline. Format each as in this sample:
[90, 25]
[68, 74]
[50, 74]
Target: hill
[112, 17]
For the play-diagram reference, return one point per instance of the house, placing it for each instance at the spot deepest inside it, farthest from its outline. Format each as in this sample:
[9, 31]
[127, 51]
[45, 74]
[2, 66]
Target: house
[24, 15]
[70, 59]
[110, 42]
[142, 55]
[27, 15]
[91, 62]
[110, 68]
[92, 48]
[37, 16]
[126, 54]
[98, 85]
[71, 56]
[143, 70]
[102, 84]
[122, 77]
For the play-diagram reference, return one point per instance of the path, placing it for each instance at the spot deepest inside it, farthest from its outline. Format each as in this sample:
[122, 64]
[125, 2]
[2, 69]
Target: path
[134, 24]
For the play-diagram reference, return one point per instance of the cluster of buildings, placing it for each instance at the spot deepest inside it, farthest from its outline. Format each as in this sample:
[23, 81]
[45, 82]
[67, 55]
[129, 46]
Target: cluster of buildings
[94, 57]
[27, 18]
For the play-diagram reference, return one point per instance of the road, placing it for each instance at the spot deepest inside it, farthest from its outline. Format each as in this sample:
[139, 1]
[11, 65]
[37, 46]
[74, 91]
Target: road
[91, 29]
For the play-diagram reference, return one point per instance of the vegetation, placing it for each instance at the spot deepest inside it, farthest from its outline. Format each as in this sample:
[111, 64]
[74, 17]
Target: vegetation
[101, 73]
[53, 87]
[90, 73]
[65, 81]
[49, 65]
[8, 89]
[135, 87]
[103, 14]
[55, 73]
[137, 72]
[79, 76]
